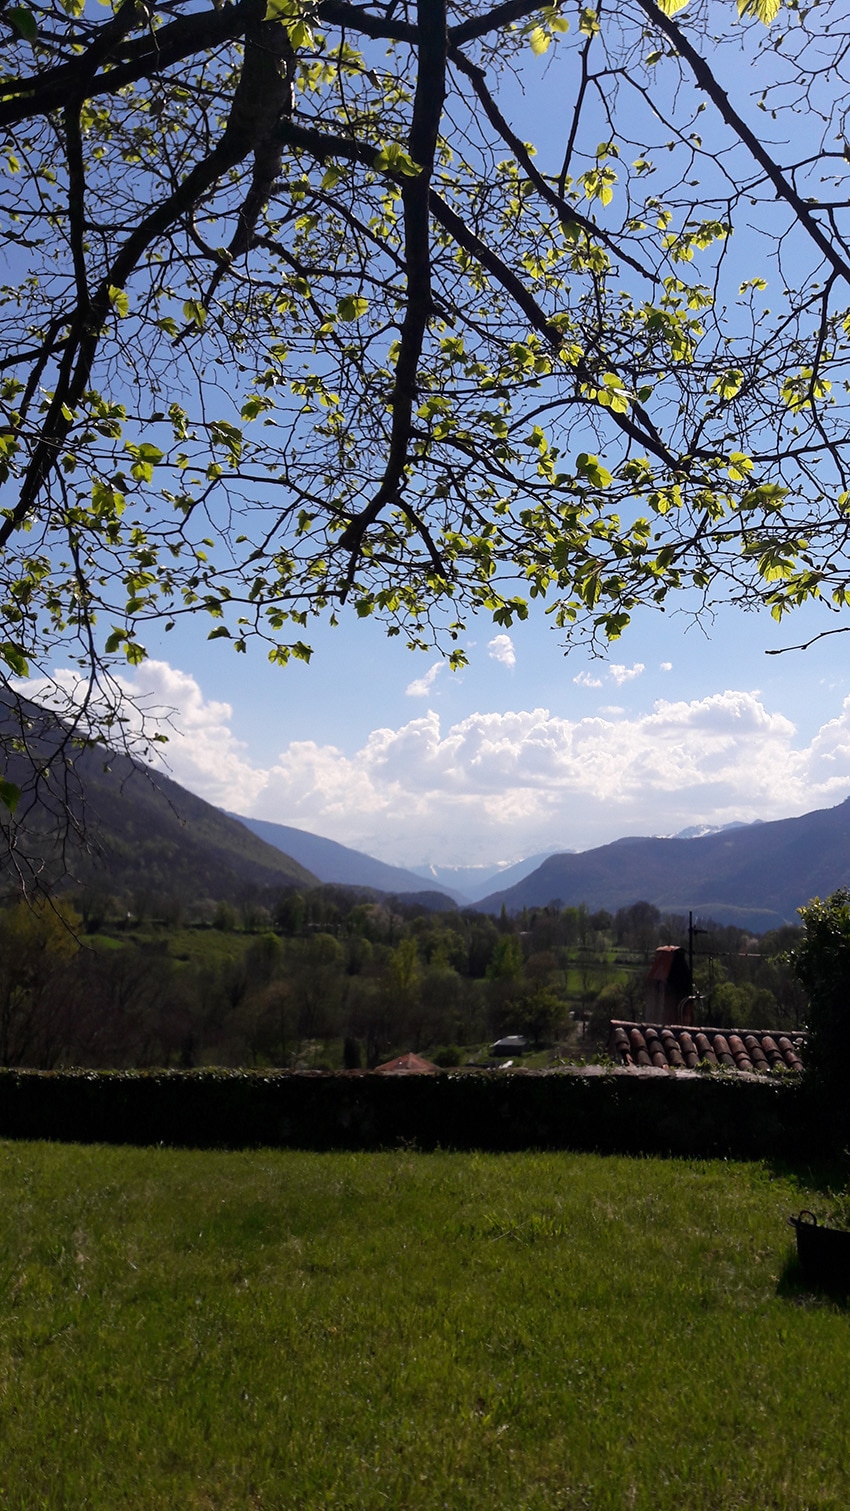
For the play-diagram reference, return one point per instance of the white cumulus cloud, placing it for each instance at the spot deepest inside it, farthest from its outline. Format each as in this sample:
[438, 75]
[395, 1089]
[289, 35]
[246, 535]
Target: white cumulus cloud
[497, 783]
[501, 648]
[421, 686]
[621, 674]
[586, 679]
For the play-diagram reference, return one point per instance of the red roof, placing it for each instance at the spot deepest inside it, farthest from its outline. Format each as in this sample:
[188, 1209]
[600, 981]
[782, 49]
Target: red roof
[662, 962]
[406, 1065]
[750, 1049]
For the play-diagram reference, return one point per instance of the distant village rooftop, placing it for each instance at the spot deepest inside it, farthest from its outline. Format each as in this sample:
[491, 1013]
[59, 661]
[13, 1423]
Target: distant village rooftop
[407, 1065]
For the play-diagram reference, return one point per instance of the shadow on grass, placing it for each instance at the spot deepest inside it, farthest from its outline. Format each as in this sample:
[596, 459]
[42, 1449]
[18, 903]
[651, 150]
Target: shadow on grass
[801, 1290]
[829, 1177]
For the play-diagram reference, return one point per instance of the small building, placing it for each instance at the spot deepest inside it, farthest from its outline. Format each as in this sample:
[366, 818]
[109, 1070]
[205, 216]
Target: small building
[512, 1044]
[407, 1065]
[669, 987]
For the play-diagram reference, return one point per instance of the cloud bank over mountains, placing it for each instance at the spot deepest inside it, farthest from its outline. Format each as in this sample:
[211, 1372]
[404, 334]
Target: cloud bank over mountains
[495, 786]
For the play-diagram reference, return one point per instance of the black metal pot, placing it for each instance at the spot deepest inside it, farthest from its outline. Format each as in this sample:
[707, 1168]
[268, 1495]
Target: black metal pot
[824, 1253]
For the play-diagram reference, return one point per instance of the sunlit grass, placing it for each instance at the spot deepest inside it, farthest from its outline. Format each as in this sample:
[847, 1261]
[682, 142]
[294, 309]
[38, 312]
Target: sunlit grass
[283, 1330]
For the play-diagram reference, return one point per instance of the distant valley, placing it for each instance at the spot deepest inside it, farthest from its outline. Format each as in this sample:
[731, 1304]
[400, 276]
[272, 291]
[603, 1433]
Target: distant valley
[337, 863]
[753, 875]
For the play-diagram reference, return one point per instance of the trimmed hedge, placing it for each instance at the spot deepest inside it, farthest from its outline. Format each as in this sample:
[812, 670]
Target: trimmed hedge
[610, 1112]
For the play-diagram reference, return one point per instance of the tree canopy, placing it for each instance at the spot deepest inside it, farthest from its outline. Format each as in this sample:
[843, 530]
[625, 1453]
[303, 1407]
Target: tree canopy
[295, 321]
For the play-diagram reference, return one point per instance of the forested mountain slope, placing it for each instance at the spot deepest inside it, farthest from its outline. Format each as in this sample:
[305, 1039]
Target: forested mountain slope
[102, 818]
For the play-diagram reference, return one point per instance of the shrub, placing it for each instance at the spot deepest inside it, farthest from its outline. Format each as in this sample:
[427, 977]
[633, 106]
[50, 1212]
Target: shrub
[822, 964]
[447, 1056]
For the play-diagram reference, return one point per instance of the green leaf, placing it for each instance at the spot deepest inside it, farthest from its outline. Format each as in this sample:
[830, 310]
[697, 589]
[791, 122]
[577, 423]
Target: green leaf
[119, 301]
[589, 467]
[351, 307]
[739, 465]
[670, 7]
[14, 658]
[10, 794]
[539, 40]
[612, 395]
[763, 10]
[729, 383]
[392, 158]
[256, 405]
[195, 313]
[146, 458]
[222, 433]
[23, 21]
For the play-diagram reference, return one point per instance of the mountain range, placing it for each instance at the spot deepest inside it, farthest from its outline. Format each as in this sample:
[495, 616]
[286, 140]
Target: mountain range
[104, 819]
[753, 875]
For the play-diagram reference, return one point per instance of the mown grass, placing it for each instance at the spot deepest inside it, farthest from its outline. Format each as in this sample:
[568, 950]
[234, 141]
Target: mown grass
[354, 1331]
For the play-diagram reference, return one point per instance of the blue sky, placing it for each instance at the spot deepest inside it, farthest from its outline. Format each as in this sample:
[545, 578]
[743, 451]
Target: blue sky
[526, 749]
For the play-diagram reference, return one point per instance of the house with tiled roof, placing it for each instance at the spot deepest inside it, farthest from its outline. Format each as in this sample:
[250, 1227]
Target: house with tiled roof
[407, 1065]
[683, 1047]
[668, 1039]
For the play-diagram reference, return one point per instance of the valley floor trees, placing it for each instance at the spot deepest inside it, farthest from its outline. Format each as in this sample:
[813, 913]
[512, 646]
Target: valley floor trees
[294, 319]
[339, 977]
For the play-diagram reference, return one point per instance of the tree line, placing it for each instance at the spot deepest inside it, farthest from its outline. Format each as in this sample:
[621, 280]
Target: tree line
[326, 978]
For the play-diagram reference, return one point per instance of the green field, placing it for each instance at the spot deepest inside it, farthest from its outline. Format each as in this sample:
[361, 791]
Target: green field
[281, 1330]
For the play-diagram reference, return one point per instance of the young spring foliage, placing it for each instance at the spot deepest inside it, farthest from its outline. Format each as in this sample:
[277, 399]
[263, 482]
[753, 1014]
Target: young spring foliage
[294, 319]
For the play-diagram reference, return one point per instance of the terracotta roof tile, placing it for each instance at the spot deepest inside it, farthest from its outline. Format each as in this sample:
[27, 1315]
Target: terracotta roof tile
[738, 1050]
[688, 1050]
[790, 1052]
[676, 1047]
[756, 1054]
[672, 1052]
[637, 1045]
[704, 1049]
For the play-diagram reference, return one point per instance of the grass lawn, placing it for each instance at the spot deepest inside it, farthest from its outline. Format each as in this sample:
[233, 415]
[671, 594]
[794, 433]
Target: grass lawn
[208, 948]
[295, 1331]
